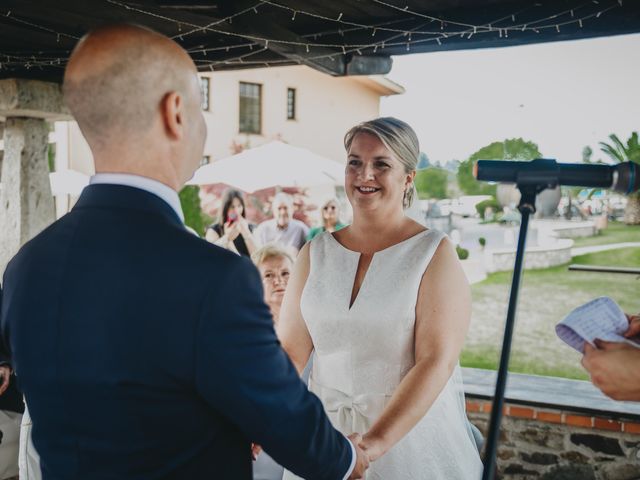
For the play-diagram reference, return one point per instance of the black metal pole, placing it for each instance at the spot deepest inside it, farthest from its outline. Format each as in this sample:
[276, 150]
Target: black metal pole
[526, 208]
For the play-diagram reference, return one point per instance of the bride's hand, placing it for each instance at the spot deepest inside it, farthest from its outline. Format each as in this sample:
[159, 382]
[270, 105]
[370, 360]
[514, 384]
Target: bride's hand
[372, 446]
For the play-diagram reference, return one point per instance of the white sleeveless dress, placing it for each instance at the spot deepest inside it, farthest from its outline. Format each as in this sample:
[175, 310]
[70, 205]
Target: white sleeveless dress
[362, 353]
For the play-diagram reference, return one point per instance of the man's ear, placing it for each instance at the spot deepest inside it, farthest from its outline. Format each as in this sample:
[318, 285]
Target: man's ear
[172, 111]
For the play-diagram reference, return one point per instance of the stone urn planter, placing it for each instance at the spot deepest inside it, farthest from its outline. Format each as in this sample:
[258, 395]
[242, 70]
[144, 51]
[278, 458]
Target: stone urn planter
[546, 202]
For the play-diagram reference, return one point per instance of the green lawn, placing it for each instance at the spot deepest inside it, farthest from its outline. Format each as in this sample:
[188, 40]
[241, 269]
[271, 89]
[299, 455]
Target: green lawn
[546, 296]
[616, 232]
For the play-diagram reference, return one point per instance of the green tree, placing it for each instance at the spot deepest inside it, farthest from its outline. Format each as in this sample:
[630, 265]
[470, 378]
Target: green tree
[620, 152]
[431, 183]
[194, 217]
[510, 149]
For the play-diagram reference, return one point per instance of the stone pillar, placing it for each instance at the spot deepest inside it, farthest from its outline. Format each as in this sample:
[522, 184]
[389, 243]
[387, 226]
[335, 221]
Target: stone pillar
[26, 203]
[1, 151]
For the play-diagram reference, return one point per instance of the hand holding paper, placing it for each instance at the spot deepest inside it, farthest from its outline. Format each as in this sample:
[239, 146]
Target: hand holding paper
[601, 319]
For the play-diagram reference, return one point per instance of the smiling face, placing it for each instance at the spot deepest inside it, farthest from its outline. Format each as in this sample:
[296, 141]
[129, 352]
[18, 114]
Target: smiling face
[374, 177]
[274, 272]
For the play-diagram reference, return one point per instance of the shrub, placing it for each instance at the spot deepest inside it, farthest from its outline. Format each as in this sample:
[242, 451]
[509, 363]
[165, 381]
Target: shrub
[488, 203]
[194, 217]
[432, 183]
[482, 241]
[463, 253]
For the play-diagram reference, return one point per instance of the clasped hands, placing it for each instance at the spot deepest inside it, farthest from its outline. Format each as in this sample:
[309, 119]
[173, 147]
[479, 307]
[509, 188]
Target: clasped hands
[615, 367]
[366, 452]
[368, 449]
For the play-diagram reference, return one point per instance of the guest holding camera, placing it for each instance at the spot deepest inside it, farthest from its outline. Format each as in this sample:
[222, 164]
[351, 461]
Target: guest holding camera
[233, 232]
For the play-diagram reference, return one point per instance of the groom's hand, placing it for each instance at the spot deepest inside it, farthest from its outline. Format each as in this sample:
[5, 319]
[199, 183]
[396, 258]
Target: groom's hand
[255, 451]
[5, 373]
[362, 459]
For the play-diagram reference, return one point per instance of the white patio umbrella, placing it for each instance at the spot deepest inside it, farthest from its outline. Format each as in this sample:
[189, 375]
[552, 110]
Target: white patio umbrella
[68, 182]
[270, 165]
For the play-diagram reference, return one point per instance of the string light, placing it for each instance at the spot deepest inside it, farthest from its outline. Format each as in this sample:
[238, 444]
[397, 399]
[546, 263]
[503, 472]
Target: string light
[341, 27]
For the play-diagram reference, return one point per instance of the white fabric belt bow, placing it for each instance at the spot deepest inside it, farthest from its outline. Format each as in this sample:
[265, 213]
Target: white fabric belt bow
[357, 412]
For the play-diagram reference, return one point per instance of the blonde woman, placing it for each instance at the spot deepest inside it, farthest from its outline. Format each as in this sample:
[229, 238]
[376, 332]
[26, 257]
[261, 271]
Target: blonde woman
[274, 264]
[330, 219]
[386, 306]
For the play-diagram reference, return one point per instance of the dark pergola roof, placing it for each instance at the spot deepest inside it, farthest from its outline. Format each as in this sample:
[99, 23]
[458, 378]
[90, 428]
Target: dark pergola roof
[348, 37]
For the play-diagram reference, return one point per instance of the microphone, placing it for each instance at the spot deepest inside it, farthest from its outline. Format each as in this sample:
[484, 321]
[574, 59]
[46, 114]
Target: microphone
[623, 177]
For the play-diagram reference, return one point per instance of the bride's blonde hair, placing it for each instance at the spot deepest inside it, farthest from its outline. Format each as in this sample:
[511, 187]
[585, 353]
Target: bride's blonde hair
[398, 137]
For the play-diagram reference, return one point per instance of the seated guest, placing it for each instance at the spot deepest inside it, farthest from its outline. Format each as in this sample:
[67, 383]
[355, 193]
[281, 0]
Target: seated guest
[283, 228]
[233, 232]
[330, 219]
[274, 264]
[614, 366]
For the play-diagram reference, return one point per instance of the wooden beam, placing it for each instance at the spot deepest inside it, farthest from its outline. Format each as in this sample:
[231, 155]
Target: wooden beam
[369, 65]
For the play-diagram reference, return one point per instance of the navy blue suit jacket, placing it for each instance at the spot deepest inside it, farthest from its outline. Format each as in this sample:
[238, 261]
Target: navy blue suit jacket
[145, 352]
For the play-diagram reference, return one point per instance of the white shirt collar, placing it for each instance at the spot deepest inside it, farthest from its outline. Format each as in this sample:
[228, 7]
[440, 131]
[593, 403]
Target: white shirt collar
[161, 190]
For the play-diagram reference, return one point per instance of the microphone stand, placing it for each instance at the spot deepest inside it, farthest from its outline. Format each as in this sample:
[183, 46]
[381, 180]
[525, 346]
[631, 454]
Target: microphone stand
[527, 206]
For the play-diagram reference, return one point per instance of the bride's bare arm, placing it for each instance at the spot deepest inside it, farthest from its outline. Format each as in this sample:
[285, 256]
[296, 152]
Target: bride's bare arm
[291, 329]
[443, 311]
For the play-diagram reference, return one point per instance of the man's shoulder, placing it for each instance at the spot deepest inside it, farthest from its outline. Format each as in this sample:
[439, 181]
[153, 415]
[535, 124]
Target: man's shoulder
[266, 226]
[206, 252]
[299, 225]
[43, 241]
[271, 222]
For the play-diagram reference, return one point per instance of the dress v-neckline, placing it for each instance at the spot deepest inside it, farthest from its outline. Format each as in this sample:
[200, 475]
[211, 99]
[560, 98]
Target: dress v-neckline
[352, 302]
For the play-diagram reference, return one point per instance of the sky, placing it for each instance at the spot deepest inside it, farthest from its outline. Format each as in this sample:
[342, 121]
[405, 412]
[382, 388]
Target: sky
[562, 96]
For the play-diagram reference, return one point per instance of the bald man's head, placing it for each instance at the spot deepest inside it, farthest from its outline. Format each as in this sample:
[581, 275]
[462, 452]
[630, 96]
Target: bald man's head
[117, 77]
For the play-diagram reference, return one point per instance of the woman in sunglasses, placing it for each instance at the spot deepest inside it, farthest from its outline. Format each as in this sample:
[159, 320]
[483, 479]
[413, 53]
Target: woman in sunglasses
[330, 219]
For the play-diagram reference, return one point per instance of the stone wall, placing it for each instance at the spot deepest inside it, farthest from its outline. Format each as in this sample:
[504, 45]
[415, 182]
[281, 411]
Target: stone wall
[570, 228]
[502, 260]
[549, 444]
[576, 232]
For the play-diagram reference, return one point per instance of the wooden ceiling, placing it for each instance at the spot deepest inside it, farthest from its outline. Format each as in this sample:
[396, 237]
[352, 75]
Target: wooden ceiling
[349, 37]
